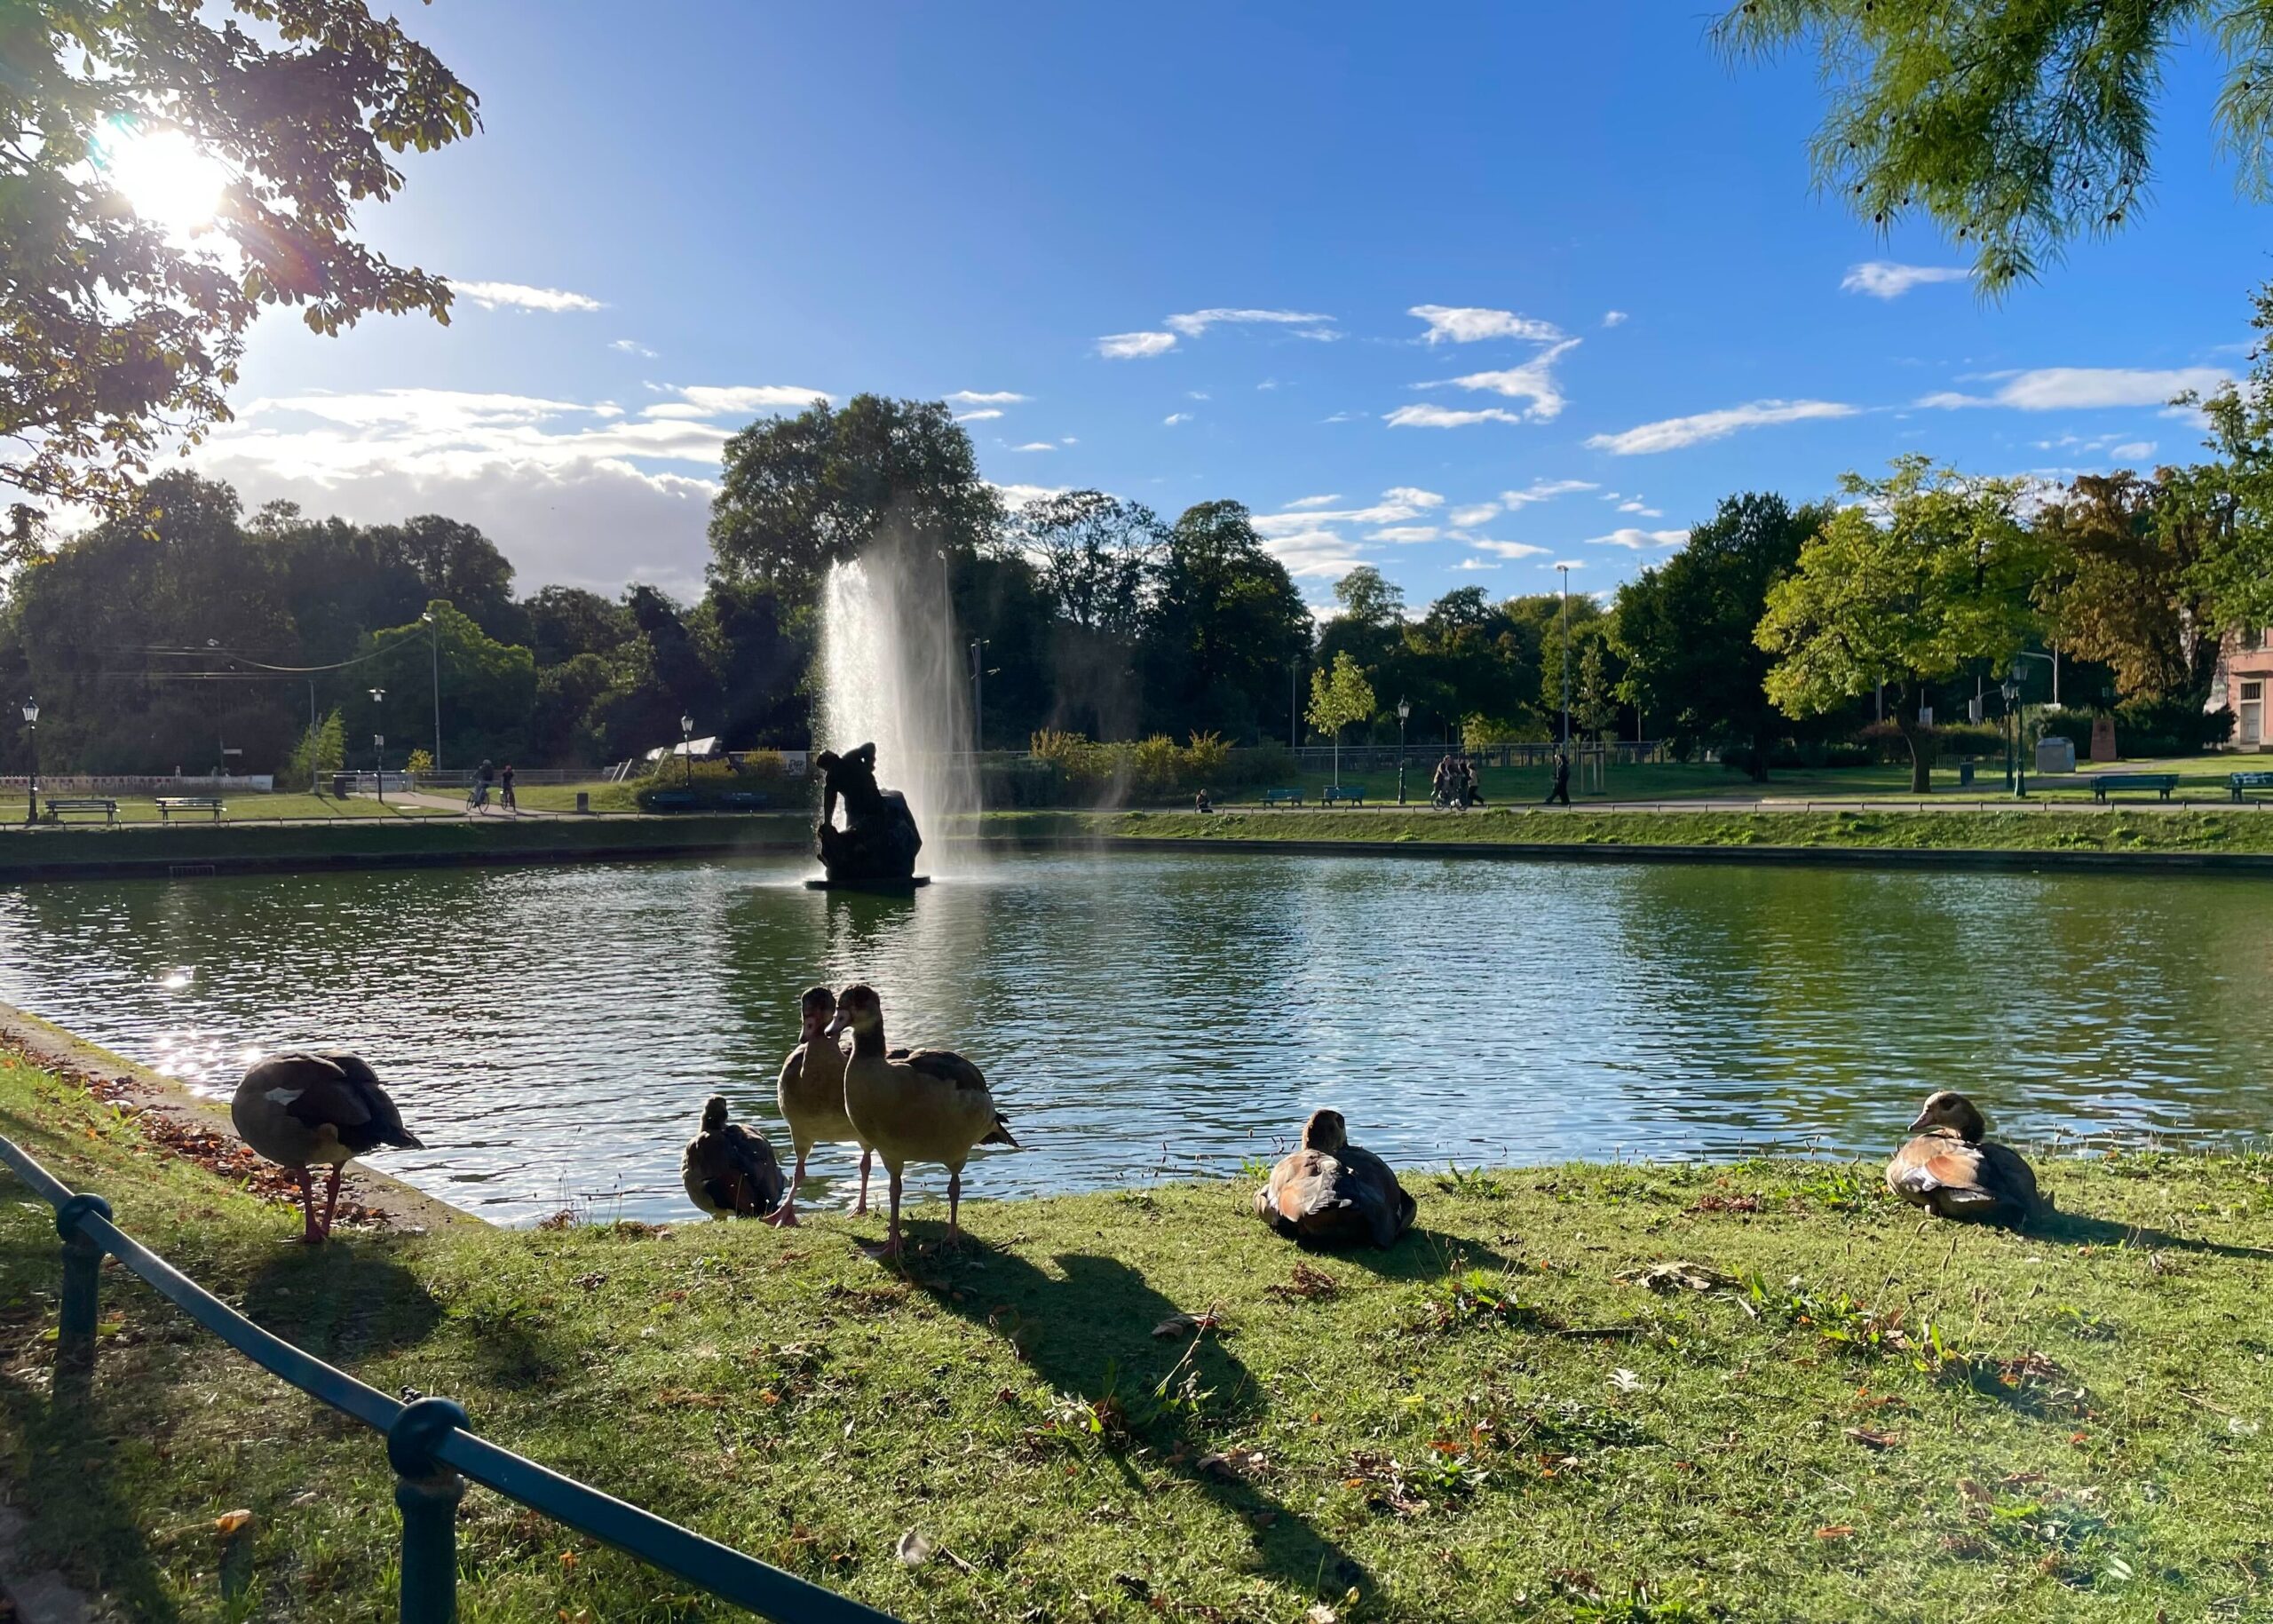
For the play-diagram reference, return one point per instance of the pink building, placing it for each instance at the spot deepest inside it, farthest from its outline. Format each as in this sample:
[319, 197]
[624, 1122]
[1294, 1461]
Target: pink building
[2245, 681]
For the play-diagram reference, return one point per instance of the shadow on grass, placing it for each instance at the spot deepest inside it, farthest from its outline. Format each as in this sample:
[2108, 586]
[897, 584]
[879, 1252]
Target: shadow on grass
[1091, 1335]
[1419, 1254]
[64, 1479]
[2079, 1229]
[343, 1301]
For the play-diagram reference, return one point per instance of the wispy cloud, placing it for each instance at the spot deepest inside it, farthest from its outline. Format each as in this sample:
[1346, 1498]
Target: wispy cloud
[1511, 550]
[1406, 533]
[1314, 553]
[739, 398]
[2137, 450]
[1173, 418]
[1468, 517]
[1639, 540]
[632, 346]
[1192, 323]
[1314, 502]
[1638, 507]
[1414, 494]
[1036, 445]
[520, 296]
[1473, 563]
[2051, 389]
[1533, 381]
[998, 396]
[1614, 318]
[1135, 346]
[1544, 491]
[1674, 433]
[1445, 417]
[983, 415]
[1469, 324]
[1884, 279]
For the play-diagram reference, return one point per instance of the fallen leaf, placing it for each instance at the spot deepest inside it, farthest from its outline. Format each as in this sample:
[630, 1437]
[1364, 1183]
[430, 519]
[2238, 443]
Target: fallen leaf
[1974, 1492]
[230, 1523]
[1836, 1531]
[1263, 1519]
[1625, 1380]
[1870, 1439]
[1184, 1325]
[915, 1549]
[1677, 1276]
[1233, 1465]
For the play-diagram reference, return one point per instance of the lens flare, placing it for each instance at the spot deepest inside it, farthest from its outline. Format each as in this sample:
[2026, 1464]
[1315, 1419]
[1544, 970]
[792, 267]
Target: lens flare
[165, 178]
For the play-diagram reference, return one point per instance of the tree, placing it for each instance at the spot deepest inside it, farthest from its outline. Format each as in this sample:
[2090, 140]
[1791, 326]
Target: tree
[1924, 573]
[115, 333]
[801, 493]
[1225, 628]
[2133, 571]
[488, 688]
[1369, 599]
[565, 622]
[453, 559]
[2238, 581]
[2018, 128]
[1686, 628]
[1597, 708]
[322, 751]
[1339, 696]
[1094, 556]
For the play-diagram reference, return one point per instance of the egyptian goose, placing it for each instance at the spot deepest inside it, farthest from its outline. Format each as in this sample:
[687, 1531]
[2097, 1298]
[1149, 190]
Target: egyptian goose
[729, 1171]
[301, 1109]
[1330, 1192]
[811, 1092]
[1953, 1172]
[913, 1104]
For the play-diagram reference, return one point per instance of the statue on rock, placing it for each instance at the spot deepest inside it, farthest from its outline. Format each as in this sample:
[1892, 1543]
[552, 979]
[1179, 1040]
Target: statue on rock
[879, 841]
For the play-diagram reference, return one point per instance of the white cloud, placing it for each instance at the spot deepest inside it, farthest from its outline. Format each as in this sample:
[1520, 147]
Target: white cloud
[1882, 279]
[983, 415]
[1067, 439]
[1016, 497]
[632, 346]
[1512, 550]
[1173, 418]
[740, 400]
[2050, 388]
[1565, 563]
[1533, 381]
[1467, 324]
[520, 296]
[1132, 346]
[1614, 318]
[1639, 540]
[1381, 514]
[1318, 553]
[1313, 502]
[1475, 563]
[1036, 445]
[1195, 394]
[1637, 507]
[1482, 511]
[1415, 496]
[1544, 491]
[1445, 417]
[1673, 433]
[2137, 450]
[1340, 417]
[1269, 382]
[1406, 533]
[1192, 323]
[999, 397]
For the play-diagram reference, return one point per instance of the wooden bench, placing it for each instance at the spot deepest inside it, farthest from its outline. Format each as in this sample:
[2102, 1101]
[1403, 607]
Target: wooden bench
[671, 800]
[2103, 783]
[1351, 795]
[745, 800]
[63, 806]
[2236, 782]
[1282, 797]
[169, 805]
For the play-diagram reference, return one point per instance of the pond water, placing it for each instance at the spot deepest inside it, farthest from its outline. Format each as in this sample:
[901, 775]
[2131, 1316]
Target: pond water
[551, 1032]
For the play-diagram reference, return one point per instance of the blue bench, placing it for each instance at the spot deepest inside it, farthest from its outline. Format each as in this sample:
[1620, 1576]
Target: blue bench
[2236, 782]
[2103, 783]
[744, 800]
[1282, 797]
[169, 805]
[59, 807]
[671, 800]
[1337, 792]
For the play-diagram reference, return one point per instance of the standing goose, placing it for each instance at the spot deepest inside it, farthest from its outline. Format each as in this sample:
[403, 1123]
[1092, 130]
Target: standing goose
[729, 1171]
[811, 1092]
[1952, 1171]
[1330, 1192]
[919, 1104]
[301, 1109]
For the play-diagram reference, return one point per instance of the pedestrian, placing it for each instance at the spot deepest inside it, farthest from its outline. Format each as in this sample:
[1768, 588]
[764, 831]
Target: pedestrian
[1201, 803]
[1474, 787]
[1560, 790]
[505, 791]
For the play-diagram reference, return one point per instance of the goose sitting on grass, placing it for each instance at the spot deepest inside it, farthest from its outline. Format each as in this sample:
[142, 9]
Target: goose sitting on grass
[1952, 1171]
[730, 1172]
[299, 1110]
[913, 1105]
[1330, 1192]
[811, 1092]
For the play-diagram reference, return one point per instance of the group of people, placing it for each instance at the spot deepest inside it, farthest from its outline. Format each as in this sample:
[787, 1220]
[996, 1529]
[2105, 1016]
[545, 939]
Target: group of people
[1455, 785]
[484, 776]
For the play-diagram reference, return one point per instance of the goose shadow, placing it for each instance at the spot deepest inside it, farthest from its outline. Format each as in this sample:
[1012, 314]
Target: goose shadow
[345, 1300]
[69, 1455]
[1090, 1334]
[1417, 1254]
[2081, 1229]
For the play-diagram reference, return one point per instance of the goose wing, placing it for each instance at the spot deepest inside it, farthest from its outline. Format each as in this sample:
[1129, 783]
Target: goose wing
[943, 1064]
[379, 1121]
[739, 1169]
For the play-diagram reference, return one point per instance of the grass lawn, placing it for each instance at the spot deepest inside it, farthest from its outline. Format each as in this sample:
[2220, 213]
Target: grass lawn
[562, 797]
[1880, 1417]
[250, 807]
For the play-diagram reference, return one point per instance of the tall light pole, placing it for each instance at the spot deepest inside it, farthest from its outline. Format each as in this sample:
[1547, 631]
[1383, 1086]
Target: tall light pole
[1404, 709]
[2013, 714]
[978, 647]
[1564, 611]
[1294, 671]
[434, 649]
[687, 746]
[379, 749]
[31, 791]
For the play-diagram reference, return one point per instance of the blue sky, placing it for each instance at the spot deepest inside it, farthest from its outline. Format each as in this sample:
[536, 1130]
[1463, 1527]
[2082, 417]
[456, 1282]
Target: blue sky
[1179, 251]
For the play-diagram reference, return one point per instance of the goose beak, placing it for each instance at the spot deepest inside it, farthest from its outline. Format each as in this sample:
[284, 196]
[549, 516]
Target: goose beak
[841, 1023]
[1919, 1122]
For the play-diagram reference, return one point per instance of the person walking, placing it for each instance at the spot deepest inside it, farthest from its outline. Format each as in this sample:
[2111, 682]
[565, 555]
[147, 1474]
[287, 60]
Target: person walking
[1560, 790]
[1474, 787]
[505, 801]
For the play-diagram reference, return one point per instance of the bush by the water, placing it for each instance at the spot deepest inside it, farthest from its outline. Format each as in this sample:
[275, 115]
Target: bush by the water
[758, 773]
[1080, 771]
[2146, 727]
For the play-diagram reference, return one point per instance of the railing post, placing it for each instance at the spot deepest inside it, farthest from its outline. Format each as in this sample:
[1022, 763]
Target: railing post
[75, 1330]
[427, 1493]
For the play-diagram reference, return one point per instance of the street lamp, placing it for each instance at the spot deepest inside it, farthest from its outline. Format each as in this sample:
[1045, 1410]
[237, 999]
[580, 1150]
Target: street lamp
[31, 792]
[687, 746]
[1565, 629]
[978, 646]
[1404, 709]
[2018, 775]
[379, 750]
[435, 650]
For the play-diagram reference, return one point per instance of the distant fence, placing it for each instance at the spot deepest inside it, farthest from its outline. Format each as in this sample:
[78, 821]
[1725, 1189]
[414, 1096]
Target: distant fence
[428, 1444]
[77, 783]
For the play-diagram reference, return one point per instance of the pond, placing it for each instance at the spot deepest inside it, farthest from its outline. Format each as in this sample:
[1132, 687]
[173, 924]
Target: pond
[551, 1032]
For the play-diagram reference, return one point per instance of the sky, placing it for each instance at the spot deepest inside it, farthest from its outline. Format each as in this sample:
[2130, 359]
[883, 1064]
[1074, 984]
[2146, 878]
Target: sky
[1461, 292]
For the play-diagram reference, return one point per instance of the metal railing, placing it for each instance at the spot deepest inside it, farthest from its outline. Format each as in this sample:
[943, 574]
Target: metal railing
[429, 1445]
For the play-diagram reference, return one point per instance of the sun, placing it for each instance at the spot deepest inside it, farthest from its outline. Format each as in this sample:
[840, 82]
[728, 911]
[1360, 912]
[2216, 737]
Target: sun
[165, 178]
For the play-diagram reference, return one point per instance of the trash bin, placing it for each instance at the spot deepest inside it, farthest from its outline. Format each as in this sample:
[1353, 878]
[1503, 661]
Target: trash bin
[1965, 773]
[339, 783]
[584, 800]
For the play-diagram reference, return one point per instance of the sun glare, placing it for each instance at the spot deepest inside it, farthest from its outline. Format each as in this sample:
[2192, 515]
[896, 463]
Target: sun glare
[166, 177]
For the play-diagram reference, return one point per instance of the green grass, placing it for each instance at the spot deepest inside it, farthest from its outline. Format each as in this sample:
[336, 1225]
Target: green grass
[2117, 829]
[250, 807]
[562, 797]
[1880, 1417]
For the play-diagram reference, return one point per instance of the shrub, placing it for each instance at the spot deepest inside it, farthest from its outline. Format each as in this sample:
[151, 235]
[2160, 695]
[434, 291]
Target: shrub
[758, 773]
[1073, 767]
[2149, 727]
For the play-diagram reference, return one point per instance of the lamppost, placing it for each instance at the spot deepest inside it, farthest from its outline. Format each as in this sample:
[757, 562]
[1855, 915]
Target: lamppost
[2017, 774]
[687, 746]
[1565, 614]
[1404, 709]
[434, 649]
[978, 646]
[379, 749]
[31, 792]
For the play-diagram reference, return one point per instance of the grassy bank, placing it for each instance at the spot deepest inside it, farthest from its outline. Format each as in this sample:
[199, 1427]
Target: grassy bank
[2117, 829]
[1496, 1420]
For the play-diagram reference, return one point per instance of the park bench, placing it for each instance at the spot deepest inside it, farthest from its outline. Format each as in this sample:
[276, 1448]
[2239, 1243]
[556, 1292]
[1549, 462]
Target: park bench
[671, 800]
[1282, 797]
[2104, 782]
[169, 805]
[2236, 782]
[744, 800]
[1351, 794]
[63, 806]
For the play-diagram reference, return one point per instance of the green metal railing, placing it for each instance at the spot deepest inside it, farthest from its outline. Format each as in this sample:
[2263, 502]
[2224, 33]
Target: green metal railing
[428, 1443]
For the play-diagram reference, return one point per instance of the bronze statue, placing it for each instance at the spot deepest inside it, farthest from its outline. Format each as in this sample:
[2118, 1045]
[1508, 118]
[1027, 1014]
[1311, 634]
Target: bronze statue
[879, 841]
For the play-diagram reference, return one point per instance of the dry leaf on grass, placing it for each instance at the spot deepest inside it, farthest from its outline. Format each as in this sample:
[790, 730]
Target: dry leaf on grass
[915, 1549]
[1677, 1275]
[1233, 1465]
[1836, 1531]
[1871, 1440]
[231, 1524]
[1184, 1325]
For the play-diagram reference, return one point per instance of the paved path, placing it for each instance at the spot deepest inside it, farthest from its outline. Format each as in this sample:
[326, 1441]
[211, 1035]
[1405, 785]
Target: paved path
[457, 804]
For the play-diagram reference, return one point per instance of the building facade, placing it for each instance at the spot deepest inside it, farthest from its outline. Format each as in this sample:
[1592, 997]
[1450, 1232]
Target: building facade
[2245, 681]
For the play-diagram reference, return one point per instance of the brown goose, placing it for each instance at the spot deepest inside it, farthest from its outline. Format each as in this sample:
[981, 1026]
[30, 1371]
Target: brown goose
[1330, 1192]
[729, 1171]
[1952, 1171]
[913, 1105]
[298, 1110]
[811, 1093]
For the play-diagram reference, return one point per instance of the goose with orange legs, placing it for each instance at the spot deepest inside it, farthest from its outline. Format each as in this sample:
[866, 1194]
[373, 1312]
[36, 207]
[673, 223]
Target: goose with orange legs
[305, 1110]
[811, 1092]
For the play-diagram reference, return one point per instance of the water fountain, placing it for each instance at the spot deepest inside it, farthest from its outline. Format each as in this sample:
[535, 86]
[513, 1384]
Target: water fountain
[893, 675]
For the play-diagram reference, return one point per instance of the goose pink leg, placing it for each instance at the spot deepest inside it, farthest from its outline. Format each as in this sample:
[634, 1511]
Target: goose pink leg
[860, 1207]
[785, 1216]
